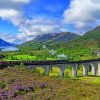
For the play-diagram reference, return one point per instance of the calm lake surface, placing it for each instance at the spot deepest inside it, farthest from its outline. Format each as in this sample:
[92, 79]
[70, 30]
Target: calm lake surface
[8, 48]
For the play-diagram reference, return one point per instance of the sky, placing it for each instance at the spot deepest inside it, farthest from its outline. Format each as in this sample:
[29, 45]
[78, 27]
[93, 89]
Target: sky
[23, 20]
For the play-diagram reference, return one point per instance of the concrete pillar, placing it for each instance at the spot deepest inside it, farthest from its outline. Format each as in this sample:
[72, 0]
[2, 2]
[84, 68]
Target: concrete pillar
[93, 66]
[98, 70]
[62, 69]
[47, 69]
[85, 69]
[74, 70]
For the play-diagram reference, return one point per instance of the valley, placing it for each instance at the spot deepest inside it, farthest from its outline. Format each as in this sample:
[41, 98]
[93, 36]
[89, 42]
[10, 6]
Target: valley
[49, 49]
[20, 82]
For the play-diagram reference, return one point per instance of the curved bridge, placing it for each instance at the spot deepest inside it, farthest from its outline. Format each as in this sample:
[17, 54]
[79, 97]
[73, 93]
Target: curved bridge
[62, 64]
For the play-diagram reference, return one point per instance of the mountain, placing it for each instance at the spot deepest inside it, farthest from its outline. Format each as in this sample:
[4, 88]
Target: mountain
[63, 37]
[4, 43]
[90, 39]
[43, 38]
[60, 37]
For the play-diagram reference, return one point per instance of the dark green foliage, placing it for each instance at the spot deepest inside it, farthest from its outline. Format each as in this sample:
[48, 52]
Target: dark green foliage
[2, 85]
[72, 53]
[31, 45]
[1, 56]
[11, 81]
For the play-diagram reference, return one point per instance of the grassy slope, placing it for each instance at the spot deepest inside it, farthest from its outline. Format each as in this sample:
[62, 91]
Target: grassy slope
[91, 39]
[29, 86]
[30, 45]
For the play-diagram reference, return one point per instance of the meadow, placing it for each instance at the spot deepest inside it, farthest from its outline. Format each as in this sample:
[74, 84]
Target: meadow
[20, 83]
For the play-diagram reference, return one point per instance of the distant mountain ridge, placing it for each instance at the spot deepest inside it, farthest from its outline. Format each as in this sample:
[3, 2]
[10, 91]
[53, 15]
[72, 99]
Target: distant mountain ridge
[4, 43]
[62, 37]
[90, 39]
[43, 38]
[56, 37]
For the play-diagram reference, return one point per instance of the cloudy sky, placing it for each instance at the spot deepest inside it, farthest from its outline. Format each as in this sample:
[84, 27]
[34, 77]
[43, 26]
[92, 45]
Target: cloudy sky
[23, 20]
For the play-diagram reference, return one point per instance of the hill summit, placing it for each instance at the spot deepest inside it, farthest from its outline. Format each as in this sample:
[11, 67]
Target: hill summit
[90, 39]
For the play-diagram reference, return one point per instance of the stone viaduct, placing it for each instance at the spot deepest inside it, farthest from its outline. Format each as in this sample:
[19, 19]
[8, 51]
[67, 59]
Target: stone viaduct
[61, 64]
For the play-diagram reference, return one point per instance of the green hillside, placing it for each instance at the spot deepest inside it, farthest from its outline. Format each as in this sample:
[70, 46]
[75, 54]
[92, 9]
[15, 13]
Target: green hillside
[90, 39]
[30, 45]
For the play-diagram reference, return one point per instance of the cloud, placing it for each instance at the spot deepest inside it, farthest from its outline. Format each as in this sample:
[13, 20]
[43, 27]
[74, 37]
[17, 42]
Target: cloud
[38, 26]
[29, 29]
[6, 37]
[19, 38]
[11, 10]
[20, 1]
[9, 14]
[15, 4]
[83, 14]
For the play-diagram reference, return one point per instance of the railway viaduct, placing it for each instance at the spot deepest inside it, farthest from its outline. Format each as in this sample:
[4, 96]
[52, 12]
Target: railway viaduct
[61, 64]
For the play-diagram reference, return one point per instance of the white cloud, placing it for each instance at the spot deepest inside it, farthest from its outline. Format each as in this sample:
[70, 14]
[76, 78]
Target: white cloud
[6, 37]
[38, 26]
[83, 14]
[11, 10]
[9, 14]
[14, 2]
[20, 1]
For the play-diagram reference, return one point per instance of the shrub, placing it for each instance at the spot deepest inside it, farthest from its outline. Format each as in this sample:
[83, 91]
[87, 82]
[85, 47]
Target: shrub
[11, 81]
[2, 85]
